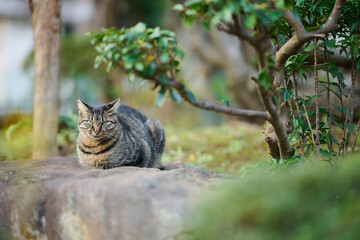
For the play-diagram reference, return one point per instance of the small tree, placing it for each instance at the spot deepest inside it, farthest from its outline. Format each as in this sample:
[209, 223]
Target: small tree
[45, 16]
[278, 31]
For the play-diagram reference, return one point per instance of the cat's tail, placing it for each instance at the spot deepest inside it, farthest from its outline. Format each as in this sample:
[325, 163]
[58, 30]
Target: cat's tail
[157, 135]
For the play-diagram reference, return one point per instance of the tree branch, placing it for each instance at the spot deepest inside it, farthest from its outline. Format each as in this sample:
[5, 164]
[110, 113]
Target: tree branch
[30, 5]
[237, 30]
[331, 23]
[180, 87]
[293, 45]
[294, 22]
[279, 146]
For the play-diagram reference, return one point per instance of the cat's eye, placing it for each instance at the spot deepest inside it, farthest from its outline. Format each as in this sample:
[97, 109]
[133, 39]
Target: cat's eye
[105, 122]
[89, 122]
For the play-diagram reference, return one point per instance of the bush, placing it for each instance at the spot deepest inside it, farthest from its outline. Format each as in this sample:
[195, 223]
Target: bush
[309, 203]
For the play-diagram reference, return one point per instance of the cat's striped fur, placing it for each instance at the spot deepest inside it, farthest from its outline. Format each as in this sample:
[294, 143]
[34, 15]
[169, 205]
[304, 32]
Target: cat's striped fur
[113, 135]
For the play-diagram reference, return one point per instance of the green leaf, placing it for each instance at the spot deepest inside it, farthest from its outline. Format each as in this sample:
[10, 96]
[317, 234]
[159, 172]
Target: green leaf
[140, 27]
[337, 124]
[128, 48]
[310, 47]
[250, 20]
[128, 65]
[260, 163]
[155, 34]
[168, 33]
[140, 66]
[277, 102]
[227, 15]
[287, 93]
[339, 109]
[160, 99]
[175, 63]
[350, 127]
[325, 152]
[178, 7]
[205, 25]
[108, 67]
[357, 64]
[226, 102]
[291, 154]
[179, 53]
[280, 4]
[129, 58]
[264, 79]
[188, 20]
[190, 96]
[98, 61]
[163, 79]
[355, 25]
[164, 42]
[164, 57]
[191, 3]
[334, 140]
[150, 69]
[334, 71]
[190, 12]
[215, 20]
[175, 96]
[330, 43]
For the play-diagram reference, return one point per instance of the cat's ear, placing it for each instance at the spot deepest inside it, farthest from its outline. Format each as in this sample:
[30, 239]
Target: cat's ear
[82, 107]
[113, 105]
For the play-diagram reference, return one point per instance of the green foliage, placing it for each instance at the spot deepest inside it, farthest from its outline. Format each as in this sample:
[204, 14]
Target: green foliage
[16, 140]
[298, 70]
[264, 79]
[300, 203]
[149, 53]
[67, 134]
[213, 12]
[76, 62]
[16, 136]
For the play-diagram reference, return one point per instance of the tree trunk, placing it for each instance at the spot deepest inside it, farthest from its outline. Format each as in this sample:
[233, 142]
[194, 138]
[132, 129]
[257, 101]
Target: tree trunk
[45, 16]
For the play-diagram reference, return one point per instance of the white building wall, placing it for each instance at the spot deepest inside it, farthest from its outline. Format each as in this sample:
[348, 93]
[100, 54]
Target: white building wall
[16, 86]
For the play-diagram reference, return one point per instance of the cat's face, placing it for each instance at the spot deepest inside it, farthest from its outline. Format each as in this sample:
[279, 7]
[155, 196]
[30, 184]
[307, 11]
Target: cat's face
[98, 121]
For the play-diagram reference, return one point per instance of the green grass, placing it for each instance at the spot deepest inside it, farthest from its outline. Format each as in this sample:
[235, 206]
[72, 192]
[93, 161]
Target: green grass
[15, 137]
[225, 148]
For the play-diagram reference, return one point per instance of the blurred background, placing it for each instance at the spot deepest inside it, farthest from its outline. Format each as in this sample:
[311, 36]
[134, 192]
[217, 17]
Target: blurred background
[216, 67]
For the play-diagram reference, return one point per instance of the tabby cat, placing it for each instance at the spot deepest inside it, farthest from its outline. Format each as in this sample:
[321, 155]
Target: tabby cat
[113, 135]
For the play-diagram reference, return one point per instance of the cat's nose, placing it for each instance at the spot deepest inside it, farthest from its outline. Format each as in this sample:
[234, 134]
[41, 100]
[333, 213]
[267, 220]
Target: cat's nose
[97, 130]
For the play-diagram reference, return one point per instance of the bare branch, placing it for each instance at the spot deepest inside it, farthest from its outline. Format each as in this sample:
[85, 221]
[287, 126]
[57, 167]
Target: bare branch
[180, 87]
[238, 30]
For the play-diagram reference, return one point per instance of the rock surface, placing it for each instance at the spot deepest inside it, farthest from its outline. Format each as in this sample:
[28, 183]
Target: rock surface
[57, 199]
